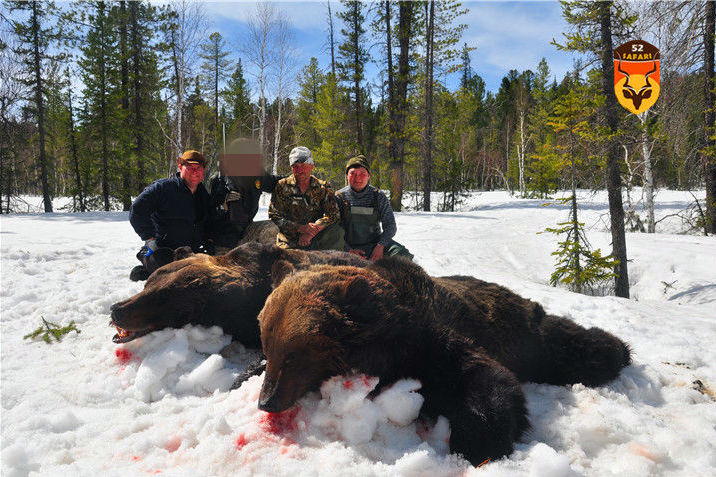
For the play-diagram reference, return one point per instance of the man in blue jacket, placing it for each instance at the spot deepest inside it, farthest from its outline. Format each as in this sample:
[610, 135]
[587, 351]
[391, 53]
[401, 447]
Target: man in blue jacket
[171, 213]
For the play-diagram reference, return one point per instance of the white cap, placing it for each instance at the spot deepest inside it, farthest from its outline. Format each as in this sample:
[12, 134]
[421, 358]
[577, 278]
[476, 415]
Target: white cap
[300, 154]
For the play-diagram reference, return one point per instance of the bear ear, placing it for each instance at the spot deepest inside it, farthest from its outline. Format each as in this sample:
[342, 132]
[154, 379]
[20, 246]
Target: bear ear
[182, 252]
[356, 288]
[358, 298]
[280, 270]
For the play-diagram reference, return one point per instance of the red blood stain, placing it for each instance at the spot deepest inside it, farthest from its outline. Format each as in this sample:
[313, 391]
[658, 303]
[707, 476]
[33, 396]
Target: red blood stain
[365, 380]
[136, 458]
[241, 442]
[284, 450]
[279, 422]
[123, 355]
[172, 444]
[348, 384]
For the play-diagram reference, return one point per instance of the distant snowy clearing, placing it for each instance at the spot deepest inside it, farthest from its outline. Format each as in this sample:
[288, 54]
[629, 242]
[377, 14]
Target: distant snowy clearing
[161, 404]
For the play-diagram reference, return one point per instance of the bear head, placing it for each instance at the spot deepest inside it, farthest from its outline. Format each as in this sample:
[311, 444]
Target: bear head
[226, 290]
[314, 324]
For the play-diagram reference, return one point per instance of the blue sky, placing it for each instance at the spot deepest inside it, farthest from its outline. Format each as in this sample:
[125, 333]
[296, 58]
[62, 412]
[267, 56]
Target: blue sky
[506, 35]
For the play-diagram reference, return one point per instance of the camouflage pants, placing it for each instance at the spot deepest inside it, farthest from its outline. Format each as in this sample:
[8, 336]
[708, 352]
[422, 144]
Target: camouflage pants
[330, 238]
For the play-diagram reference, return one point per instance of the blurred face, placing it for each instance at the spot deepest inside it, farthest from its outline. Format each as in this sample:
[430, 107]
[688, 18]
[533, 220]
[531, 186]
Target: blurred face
[192, 174]
[302, 171]
[358, 178]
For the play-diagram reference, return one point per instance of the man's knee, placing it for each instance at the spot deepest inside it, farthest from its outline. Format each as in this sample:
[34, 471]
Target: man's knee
[330, 238]
[395, 249]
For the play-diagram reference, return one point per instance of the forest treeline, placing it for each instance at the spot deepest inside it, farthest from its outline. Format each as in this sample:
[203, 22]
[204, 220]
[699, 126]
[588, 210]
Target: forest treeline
[97, 99]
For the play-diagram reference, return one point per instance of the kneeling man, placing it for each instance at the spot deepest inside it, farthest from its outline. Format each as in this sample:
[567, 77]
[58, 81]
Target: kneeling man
[363, 210]
[304, 208]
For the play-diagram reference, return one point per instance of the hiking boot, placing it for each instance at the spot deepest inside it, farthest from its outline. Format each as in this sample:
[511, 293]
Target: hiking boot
[138, 273]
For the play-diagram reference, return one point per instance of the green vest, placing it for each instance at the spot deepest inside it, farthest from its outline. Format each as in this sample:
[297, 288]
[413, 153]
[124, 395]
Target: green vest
[362, 224]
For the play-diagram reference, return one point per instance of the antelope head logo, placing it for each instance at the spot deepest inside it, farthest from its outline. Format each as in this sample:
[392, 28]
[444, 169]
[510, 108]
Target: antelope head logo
[637, 96]
[637, 92]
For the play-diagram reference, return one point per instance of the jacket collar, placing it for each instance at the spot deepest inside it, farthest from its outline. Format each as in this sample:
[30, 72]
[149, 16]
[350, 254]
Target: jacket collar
[312, 184]
[180, 182]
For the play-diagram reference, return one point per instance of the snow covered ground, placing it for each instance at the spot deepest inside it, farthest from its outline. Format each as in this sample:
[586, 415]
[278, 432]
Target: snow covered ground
[161, 405]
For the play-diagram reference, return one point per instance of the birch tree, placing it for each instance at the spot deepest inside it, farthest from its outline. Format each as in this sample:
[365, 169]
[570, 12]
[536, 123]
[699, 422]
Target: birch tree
[187, 23]
[284, 72]
[259, 53]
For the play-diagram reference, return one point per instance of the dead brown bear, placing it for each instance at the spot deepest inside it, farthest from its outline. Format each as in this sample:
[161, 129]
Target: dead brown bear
[225, 290]
[469, 342]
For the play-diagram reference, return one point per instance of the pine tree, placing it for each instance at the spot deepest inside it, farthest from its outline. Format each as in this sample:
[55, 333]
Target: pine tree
[542, 168]
[310, 82]
[122, 16]
[353, 56]
[36, 36]
[101, 90]
[442, 33]
[597, 24]
[331, 124]
[147, 108]
[215, 67]
[237, 97]
[79, 192]
[407, 12]
[577, 266]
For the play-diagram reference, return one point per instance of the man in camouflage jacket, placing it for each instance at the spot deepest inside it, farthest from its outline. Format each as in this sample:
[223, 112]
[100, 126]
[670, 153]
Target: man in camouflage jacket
[304, 208]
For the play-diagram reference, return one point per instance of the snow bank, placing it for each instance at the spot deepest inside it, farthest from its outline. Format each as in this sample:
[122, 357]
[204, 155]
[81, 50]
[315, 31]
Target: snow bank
[162, 405]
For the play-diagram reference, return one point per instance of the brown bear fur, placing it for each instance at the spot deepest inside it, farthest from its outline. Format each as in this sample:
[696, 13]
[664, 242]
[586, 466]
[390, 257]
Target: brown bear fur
[225, 290]
[469, 342]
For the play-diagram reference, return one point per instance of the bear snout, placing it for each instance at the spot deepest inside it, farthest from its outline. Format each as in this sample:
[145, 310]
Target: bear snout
[124, 315]
[270, 397]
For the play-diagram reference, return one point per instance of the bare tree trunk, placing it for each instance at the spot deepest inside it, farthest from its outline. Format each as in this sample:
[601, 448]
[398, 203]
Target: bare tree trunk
[616, 209]
[261, 26]
[709, 154]
[124, 73]
[137, 86]
[646, 148]
[39, 104]
[521, 156]
[179, 76]
[401, 100]
[190, 25]
[356, 80]
[277, 136]
[392, 125]
[429, 66]
[575, 218]
[508, 135]
[283, 74]
[73, 151]
[330, 39]
[104, 114]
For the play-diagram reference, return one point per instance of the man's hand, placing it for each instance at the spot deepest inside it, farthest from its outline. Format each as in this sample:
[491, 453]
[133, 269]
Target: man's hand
[358, 252]
[233, 195]
[304, 240]
[377, 253]
[310, 229]
[307, 232]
